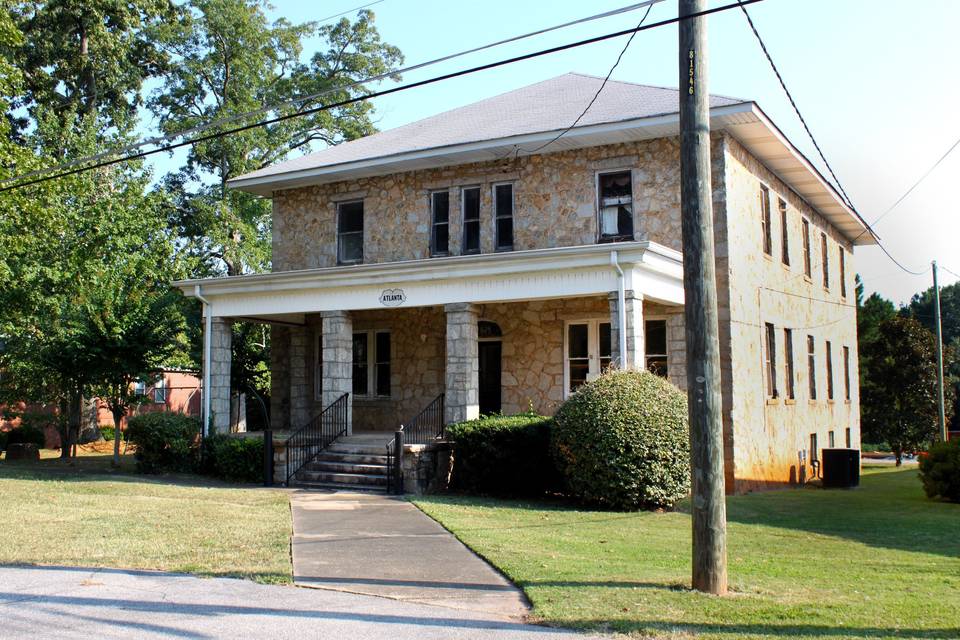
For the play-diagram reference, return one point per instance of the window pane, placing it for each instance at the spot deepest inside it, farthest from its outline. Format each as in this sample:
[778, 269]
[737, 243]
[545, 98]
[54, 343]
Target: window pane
[441, 206]
[383, 347]
[351, 217]
[616, 204]
[351, 247]
[360, 364]
[658, 365]
[471, 203]
[578, 373]
[504, 200]
[578, 342]
[504, 233]
[383, 379]
[606, 348]
[471, 236]
[655, 340]
[441, 239]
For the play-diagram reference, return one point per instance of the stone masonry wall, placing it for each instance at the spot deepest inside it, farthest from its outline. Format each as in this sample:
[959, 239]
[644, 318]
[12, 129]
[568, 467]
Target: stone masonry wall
[769, 435]
[555, 204]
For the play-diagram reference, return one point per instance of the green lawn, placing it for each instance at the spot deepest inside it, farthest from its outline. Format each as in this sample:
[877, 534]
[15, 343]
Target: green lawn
[84, 515]
[880, 561]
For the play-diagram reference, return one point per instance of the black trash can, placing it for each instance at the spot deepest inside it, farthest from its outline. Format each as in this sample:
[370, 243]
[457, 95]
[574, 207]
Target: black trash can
[841, 468]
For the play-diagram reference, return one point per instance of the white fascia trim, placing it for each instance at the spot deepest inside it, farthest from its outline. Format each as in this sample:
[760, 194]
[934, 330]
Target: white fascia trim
[277, 180]
[650, 256]
[828, 188]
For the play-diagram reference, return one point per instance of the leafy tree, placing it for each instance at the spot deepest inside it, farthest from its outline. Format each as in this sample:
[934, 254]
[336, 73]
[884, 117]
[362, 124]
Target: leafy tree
[899, 393]
[132, 326]
[229, 60]
[921, 309]
[86, 59]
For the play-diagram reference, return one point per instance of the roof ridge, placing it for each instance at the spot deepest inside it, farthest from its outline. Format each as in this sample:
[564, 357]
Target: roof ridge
[648, 86]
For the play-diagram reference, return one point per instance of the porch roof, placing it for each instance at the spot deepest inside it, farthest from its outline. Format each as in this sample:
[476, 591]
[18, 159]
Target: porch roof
[287, 296]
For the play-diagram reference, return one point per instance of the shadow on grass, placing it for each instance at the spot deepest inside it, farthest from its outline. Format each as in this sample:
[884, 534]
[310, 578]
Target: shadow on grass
[62, 472]
[659, 627]
[888, 510]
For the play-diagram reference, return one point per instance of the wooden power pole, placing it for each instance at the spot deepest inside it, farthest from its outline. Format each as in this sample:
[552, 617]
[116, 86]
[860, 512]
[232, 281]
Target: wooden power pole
[700, 309]
[941, 413]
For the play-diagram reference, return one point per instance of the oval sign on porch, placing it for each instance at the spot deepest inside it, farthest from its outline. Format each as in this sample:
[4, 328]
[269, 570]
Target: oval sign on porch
[392, 297]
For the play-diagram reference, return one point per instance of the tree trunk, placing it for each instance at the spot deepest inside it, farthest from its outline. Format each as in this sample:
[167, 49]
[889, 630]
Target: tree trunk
[898, 452]
[64, 427]
[74, 415]
[117, 435]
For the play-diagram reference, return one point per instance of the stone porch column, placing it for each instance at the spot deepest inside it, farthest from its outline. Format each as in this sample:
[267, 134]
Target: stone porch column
[633, 359]
[338, 360]
[299, 376]
[462, 401]
[221, 343]
[280, 378]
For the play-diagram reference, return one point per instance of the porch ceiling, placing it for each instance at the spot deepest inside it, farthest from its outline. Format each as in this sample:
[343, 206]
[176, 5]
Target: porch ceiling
[285, 297]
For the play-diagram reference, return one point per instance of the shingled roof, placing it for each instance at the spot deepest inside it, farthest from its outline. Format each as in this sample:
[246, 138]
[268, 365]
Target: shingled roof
[551, 105]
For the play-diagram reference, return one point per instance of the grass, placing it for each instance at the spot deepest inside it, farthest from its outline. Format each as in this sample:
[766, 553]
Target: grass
[89, 515]
[881, 561]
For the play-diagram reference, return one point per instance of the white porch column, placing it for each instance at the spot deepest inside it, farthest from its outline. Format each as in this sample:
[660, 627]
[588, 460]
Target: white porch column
[338, 360]
[221, 342]
[462, 401]
[633, 316]
[299, 376]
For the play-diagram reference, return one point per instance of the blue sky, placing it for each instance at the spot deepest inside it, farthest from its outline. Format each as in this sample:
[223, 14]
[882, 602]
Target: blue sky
[875, 81]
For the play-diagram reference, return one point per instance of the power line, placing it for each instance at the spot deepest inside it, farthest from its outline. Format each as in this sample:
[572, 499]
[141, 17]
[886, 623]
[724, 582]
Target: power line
[916, 184]
[803, 121]
[596, 95]
[793, 103]
[376, 94]
[300, 100]
[343, 13]
[953, 273]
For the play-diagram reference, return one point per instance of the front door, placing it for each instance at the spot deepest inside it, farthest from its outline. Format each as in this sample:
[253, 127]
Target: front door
[489, 352]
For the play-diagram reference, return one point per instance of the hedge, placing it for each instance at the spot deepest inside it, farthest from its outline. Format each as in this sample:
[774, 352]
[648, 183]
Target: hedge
[233, 458]
[940, 471]
[503, 455]
[166, 442]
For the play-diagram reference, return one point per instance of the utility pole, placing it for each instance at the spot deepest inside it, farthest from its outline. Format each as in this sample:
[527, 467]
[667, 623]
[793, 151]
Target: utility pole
[700, 309]
[941, 414]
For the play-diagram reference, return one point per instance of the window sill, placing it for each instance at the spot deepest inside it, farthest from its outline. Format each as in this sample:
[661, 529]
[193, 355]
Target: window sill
[789, 401]
[812, 401]
[503, 249]
[350, 263]
[371, 399]
[831, 401]
[785, 265]
[609, 239]
[807, 279]
[773, 401]
[846, 402]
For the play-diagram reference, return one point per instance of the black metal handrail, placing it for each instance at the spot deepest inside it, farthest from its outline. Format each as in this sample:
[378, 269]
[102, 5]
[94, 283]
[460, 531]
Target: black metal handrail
[304, 444]
[427, 426]
[394, 476]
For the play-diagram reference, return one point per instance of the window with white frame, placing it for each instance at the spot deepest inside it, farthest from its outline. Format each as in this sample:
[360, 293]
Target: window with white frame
[440, 229]
[784, 232]
[829, 356]
[615, 198]
[139, 388]
[825, 257]
[371, 363]
[350, 232]
[805, 230]
[655, 346]
[160, 391]
[812, 367]
[470, 203]
[587, 351]
[788, 372]
[503, 216]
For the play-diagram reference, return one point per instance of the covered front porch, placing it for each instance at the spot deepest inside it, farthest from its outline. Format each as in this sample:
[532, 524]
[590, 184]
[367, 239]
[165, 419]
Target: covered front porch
[489, 333]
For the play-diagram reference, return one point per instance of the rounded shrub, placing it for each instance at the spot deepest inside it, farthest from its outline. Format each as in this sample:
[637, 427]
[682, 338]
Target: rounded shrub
[165, 442]
[940, 471]
[621, 441]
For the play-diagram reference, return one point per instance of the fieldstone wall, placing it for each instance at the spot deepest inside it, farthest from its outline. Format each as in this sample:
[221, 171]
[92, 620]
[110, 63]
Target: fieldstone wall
[771, 436]
[555, 204]
[426, 468]
[462, 400]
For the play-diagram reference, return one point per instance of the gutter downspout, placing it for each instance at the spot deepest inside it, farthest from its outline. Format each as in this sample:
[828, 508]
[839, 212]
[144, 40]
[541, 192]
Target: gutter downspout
[207, 334]
[621, 310]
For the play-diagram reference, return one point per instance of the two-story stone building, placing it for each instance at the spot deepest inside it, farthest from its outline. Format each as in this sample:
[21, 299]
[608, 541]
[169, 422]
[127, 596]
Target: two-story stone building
[480, 254]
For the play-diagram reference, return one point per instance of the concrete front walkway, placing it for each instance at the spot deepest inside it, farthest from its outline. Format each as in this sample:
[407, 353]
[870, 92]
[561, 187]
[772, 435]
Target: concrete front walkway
[384, 546]
[67, 602]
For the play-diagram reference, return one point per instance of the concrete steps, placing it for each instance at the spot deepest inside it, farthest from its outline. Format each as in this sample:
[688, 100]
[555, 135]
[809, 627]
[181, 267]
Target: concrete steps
[354, 463]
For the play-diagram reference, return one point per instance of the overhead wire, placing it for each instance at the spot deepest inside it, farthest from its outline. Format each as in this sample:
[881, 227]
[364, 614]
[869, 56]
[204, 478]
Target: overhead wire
[844, 197]
[299, 100]
[596, 95]
[383, 92]
[343, 13]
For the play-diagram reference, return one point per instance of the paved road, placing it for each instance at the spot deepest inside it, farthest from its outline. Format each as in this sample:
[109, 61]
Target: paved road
[384, 546]
[62, 602]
